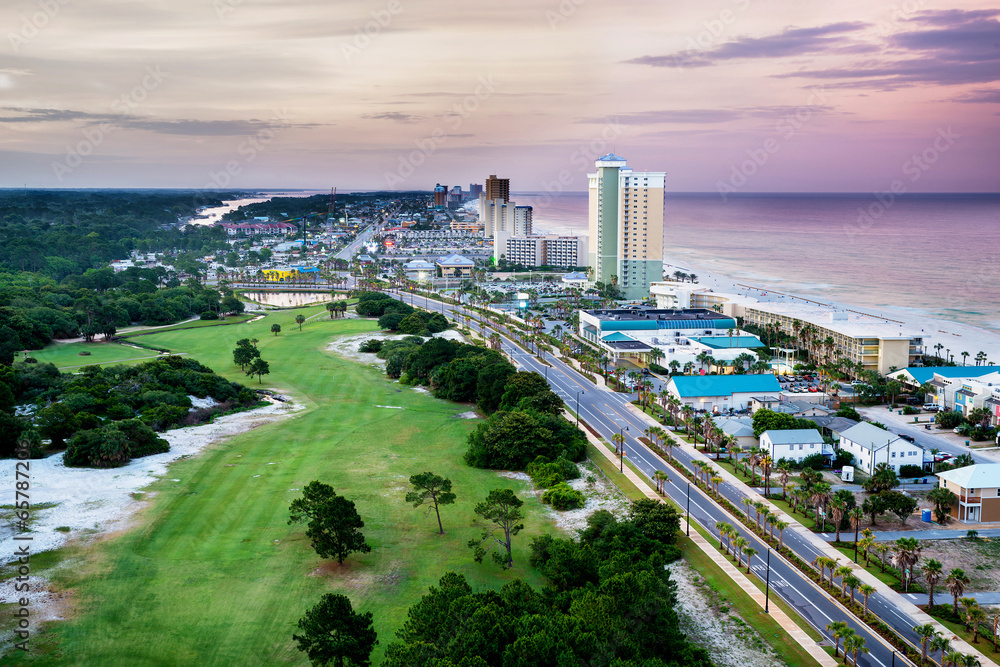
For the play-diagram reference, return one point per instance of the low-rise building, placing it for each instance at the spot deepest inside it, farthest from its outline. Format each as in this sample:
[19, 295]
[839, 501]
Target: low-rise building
[872, 445]
[455, 265]
[977, 491]
[795, 444]
[419, 269]
[740, 428]
[721, 393]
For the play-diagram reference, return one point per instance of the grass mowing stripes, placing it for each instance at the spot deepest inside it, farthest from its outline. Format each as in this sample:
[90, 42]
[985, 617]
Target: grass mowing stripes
[213, 574]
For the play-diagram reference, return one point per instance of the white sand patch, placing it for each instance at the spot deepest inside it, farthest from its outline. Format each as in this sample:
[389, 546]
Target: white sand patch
[391, 407]
[471, 414]
[710, 622]
[422, 390]
[206, 402]
[600, 493]
[95, 501]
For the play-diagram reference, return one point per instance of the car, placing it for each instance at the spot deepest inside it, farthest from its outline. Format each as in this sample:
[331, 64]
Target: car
[908, 438]
[931, 407]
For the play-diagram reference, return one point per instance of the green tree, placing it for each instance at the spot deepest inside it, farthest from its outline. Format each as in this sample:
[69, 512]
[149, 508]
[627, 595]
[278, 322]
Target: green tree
[275, 329]
[258, 367]
[956, 581]
[244, 353]
[503, 509]
[299, 319]
[943, 499]
[932, 574]
[429, 487]
[334, 526]
[883, 478]
[332, 633]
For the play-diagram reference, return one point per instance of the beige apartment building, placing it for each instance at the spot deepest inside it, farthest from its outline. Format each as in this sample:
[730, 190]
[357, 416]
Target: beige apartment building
[626, 225]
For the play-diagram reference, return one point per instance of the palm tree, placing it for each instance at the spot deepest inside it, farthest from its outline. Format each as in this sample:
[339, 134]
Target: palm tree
[855, 644]
[784, 468]
[837, 630]
[749, 503]
[781, 525]
[940, 643]
[856, 514]
[769, 520]
[299, 319]
[765, 471]
[907, 554]
[956, 582]
[750, 553]
[852, 582]
[976, 616]
[721, 527]
[925, 632]
[932, 574]
[866, 590]
[661, 479]
[716, 480]
[619, 440]
[837, 508]
[842, 572]
[820, 496]
[740, 543]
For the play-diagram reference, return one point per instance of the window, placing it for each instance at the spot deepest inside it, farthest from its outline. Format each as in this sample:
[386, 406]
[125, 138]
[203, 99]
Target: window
[894, 455]
[812, 445]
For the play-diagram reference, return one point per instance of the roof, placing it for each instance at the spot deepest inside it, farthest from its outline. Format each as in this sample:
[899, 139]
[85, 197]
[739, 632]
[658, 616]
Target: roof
[418, 264]
[574, 275]
[835, 424]
[725, 343]
[793, 436]
[922, 374]
[615, 337]
[737, 427]
[869, 436]
[455, 260]
[978, 476]
[723, 385]
[629, 344]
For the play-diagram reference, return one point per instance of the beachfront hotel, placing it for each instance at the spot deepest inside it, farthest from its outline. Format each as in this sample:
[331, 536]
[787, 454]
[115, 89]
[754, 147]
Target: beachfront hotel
[626, 225]
[878, 344]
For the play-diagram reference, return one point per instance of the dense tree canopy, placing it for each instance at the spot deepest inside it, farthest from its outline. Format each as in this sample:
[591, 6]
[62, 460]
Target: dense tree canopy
[334, 525]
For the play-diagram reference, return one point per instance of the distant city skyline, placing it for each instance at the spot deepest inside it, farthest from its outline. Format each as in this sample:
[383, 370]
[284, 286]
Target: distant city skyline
[726, 96]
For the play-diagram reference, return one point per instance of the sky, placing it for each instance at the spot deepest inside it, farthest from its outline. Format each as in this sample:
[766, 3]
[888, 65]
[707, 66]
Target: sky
[723, 95]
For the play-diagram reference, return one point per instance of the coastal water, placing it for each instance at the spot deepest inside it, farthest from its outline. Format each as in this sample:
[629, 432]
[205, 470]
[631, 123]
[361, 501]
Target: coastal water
[287, 299]
[933, 255]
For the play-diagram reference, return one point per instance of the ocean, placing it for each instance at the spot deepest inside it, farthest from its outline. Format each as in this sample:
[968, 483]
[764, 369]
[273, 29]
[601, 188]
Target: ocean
[929, 255]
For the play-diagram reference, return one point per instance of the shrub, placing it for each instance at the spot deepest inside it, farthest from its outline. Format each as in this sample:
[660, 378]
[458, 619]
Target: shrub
[546, 474]
[656, 368]
[910, 471]
[564, 497]
[370, 345]
[84, 353]
[814, 461]
[209, 315]
[910, 410]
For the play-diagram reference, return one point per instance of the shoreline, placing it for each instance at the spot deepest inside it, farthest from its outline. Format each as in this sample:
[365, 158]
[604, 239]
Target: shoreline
[957, 336]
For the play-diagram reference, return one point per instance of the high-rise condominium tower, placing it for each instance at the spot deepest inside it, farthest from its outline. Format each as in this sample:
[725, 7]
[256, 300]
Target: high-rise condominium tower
[626, 226]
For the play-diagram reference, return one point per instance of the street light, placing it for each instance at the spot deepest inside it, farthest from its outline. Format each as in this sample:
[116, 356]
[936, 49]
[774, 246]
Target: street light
[621, 455]
[687, 524]
[767, 582]
[578, 408]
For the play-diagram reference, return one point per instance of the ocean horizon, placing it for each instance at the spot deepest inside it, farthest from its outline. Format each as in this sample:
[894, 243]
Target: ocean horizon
[932, 255]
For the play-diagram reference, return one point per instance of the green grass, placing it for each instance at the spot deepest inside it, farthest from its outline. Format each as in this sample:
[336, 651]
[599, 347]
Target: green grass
[215, 576]
[67, 355]
[197, 324]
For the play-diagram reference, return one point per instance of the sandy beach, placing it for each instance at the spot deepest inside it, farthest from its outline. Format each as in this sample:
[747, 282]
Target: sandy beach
[956, 336]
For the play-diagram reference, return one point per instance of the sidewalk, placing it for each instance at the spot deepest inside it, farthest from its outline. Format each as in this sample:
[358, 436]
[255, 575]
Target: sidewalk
[737, 575]
[934, 534]
[894, 598]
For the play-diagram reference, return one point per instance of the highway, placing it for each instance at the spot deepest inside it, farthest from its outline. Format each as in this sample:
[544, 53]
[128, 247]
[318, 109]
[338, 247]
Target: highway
[608, 413]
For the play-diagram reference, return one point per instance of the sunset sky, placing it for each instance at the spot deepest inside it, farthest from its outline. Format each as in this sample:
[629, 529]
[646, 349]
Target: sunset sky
[744, 94]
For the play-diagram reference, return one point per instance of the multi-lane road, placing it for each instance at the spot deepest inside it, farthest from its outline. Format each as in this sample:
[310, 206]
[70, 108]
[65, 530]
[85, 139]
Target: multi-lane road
[608, 413]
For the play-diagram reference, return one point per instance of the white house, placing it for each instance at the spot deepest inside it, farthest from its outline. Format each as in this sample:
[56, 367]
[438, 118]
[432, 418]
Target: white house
[740, 428]
[794, 444]
[872, 445]
[716, 393]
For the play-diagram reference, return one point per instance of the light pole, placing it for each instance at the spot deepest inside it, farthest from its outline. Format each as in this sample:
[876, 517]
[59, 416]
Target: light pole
[621, 456]
[578, 409]
[687, 523]
[767, 582]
